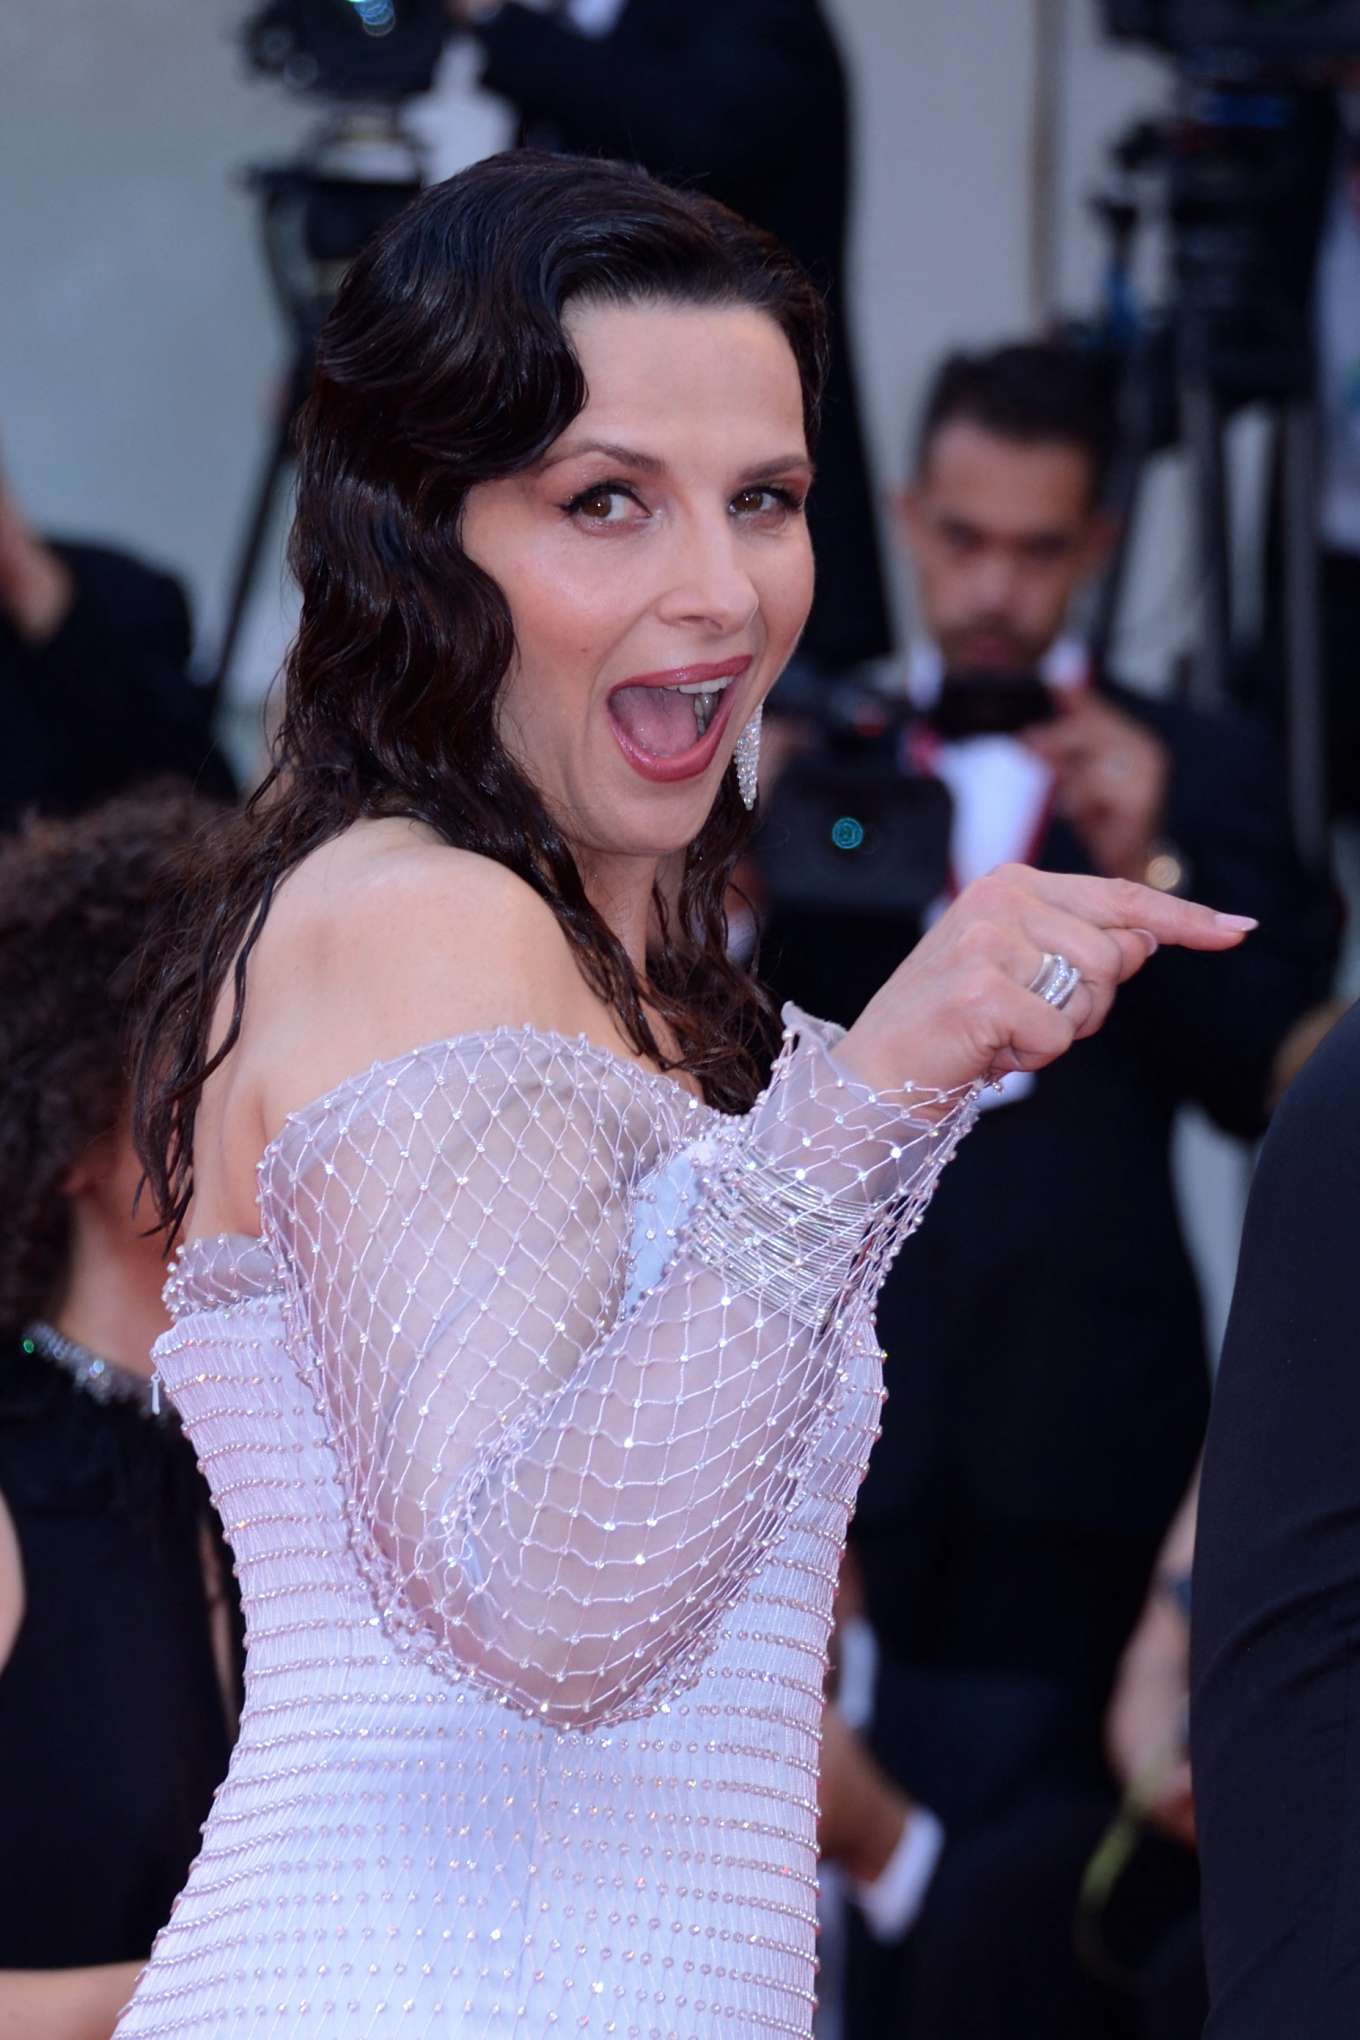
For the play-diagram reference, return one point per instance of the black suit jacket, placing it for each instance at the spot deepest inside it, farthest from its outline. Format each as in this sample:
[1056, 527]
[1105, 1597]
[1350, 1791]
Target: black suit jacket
[108, 700]
[1047, 1378]
[1276, 1643]
[747, 100]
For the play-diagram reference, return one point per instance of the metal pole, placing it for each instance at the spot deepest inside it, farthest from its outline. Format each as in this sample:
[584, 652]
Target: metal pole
[1202, 423]
[272, 476]
[1133, 450]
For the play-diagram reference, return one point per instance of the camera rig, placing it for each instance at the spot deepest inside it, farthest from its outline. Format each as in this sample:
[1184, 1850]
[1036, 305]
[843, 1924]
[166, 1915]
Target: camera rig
[364, 59]
[1234, 171]
[374, 51]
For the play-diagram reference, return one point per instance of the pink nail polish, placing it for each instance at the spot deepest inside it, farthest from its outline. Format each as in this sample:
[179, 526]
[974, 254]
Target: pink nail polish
[1243, 922]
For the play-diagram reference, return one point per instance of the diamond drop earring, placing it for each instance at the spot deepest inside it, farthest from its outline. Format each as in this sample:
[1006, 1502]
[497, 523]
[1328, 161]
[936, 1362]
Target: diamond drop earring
[746, 758]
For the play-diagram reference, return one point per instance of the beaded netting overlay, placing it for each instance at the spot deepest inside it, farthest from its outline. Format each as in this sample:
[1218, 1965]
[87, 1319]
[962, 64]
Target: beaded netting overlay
[534, 1417]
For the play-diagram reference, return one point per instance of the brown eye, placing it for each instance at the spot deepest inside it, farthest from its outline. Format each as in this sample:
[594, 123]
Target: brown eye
[605, 503]
[764, 502]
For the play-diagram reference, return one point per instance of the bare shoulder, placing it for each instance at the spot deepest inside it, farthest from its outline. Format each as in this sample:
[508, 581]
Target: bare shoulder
[380, 885]
[387, 939]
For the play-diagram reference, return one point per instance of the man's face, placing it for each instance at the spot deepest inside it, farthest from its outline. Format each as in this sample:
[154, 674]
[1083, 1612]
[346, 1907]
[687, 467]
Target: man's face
[1001, 534]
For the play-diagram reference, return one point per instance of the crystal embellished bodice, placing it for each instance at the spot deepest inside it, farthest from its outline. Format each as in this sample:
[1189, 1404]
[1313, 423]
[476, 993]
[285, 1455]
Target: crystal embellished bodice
[534, 1418]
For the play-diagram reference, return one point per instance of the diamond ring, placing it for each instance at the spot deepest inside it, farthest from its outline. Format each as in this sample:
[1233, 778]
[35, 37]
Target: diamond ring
[1055, 980]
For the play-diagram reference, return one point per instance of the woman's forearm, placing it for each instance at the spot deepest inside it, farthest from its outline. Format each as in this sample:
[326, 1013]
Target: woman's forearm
[64, 2004]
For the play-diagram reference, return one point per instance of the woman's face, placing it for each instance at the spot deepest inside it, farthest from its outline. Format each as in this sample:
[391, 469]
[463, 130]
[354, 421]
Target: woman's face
[659, 547]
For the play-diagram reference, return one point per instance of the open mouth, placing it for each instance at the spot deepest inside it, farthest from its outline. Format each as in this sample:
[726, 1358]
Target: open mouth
[669, 725]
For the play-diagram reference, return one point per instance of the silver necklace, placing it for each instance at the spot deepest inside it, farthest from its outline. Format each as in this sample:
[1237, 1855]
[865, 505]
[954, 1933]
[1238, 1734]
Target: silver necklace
[103, 1379]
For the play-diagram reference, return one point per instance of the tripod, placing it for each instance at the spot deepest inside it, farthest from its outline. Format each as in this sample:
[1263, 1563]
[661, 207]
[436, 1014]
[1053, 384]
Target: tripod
[1237, 181]
[1165, 371]
[316, 214]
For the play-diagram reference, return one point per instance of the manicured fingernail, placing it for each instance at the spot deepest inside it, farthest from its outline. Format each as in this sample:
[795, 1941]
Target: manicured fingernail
[1153, 945]
[1242, 923]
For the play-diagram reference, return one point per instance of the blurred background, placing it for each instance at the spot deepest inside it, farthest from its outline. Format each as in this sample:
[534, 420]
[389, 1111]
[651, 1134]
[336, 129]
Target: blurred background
[1096, 269]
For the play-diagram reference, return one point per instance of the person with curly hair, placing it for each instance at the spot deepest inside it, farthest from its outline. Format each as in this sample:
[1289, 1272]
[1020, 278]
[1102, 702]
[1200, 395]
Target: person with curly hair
[119, 1653]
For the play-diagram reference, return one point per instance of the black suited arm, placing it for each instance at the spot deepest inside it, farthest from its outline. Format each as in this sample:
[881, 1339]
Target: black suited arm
[108, 699]
[1275, 1725]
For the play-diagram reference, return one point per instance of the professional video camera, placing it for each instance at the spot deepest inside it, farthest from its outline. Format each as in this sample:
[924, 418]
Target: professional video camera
[1239, 174]
[853, 827]
[364, 59]
[375, 51]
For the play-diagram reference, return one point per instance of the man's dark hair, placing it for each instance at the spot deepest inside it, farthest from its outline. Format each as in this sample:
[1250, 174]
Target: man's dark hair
[1035, 392]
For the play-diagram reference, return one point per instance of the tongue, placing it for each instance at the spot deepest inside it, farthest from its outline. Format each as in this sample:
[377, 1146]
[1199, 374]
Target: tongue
[656, 719]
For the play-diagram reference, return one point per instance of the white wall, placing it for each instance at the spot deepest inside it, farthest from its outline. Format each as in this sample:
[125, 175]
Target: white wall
[137, 343]
[943, 195]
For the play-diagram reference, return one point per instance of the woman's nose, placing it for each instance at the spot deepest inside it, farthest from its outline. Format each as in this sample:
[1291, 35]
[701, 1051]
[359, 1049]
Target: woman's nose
[708, 582]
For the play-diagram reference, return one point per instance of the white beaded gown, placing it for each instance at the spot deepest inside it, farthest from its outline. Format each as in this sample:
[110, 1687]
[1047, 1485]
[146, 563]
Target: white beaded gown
[534, 1418]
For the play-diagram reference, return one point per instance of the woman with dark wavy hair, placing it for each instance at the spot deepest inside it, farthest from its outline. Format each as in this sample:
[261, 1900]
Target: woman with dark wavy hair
[526, 1339]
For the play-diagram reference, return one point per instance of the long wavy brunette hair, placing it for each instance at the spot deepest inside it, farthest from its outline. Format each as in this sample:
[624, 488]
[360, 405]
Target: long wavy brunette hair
[445, 363]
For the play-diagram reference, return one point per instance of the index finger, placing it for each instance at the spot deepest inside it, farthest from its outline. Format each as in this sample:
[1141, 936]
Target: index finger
[1121, 903]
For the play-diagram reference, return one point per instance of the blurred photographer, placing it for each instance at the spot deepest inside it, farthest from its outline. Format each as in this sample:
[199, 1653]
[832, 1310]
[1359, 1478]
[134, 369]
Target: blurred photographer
[95, 691]
[748, 100]
[1037, 1445]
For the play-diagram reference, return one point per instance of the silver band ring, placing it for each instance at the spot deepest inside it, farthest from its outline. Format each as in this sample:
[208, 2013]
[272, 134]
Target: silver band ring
[1055, 981]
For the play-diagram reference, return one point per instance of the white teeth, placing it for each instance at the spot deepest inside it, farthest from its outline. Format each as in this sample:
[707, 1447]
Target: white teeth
[704, 687]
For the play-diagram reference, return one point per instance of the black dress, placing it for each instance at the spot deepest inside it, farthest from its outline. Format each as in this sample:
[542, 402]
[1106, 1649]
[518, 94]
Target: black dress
[113, 1731]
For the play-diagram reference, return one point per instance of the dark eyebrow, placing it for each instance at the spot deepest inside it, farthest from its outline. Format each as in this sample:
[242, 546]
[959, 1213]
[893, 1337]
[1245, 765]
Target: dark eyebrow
[649, 464]
[626, 456]
[769, 468]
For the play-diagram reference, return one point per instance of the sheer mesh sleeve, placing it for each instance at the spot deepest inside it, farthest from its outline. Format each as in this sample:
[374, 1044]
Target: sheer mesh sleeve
[557, 1482]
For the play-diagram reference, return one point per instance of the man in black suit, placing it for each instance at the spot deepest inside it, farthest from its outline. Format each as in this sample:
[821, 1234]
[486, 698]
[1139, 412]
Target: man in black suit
[1047, 1374]
[746, 100]
[95, 692]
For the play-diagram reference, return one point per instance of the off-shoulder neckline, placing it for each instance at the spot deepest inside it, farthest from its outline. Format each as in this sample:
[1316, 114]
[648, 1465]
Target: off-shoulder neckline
[678, 1099]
